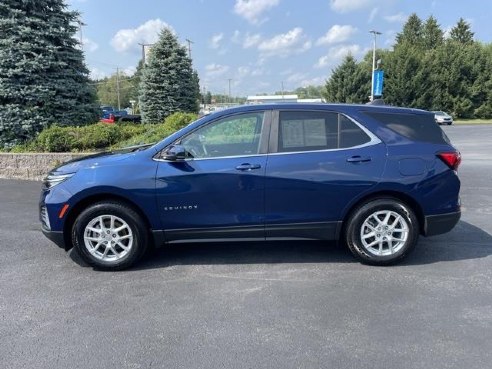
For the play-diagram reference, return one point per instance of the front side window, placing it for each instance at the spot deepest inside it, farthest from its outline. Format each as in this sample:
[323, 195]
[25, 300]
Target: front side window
[311, 131]
[238, 135]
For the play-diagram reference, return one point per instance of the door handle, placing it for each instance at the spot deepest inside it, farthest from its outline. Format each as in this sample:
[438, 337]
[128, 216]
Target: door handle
[247, 166]
[359, 159]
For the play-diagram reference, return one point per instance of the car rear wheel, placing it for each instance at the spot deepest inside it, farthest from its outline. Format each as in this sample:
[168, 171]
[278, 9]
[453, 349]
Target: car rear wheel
[110, 236]
[382, 231]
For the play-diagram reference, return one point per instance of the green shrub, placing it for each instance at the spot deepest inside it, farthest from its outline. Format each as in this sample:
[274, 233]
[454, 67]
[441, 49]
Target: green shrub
[54, 139]
[151, 133]
[179, 120]
[100, 136]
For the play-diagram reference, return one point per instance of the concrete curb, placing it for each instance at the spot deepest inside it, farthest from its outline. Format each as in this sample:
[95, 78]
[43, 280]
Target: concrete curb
[32, 166]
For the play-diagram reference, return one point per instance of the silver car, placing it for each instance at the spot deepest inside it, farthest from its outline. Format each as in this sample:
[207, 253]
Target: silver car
[443, 118]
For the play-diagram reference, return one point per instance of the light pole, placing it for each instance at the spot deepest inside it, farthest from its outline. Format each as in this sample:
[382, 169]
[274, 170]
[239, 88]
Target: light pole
[375, 33]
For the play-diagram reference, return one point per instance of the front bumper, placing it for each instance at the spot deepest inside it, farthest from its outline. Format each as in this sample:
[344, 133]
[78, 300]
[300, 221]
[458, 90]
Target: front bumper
[57, 237]
[442, 223]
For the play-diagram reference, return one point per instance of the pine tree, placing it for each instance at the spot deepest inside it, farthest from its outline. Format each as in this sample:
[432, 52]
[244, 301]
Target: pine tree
[412, 32]
[349, 82]
[43, 79]
[462, 32]
[168, 83]
[433, 36]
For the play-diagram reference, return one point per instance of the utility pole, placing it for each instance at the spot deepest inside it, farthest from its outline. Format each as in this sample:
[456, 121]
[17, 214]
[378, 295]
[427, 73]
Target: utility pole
[118, 87]
[143, 51]
[282, 90]
[375, 33]
[230, 79]
[81, 24]
[189, 47]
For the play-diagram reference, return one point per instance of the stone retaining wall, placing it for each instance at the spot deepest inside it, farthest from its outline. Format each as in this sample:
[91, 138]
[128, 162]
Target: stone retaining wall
[32, 166]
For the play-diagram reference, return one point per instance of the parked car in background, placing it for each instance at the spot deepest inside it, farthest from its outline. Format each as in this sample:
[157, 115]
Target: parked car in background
[373, 177]
[111, 116]
[443, 118]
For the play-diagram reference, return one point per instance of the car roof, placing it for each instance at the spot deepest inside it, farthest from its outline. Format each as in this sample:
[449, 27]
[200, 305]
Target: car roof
[346, 108]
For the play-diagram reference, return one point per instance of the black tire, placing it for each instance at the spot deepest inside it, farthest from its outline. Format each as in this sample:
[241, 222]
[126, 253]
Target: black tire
[363, 221]
[450, 123]
[133, 236]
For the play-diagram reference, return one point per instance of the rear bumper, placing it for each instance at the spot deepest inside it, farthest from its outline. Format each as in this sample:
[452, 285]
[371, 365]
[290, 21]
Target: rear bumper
[442, 223]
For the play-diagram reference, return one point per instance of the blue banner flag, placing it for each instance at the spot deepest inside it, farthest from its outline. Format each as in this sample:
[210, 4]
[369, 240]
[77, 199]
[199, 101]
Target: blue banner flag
[378, 83]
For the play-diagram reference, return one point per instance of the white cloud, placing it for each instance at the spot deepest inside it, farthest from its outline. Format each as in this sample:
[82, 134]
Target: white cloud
[372, 15]
[296, 77]
[335, 54]
[337, 34]
[396, 18]
[215, 40]
[243, 72]
[251, 40]
[96, 74]
[282, 45]
[345, 6]
[252, 10]
[323, 61]
[89, 45]
[128, 39]
[315, 81]
[129, 71]
[216, 70]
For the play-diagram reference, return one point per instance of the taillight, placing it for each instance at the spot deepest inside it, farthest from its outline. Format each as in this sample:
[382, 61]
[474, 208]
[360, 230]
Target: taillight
[452, 159]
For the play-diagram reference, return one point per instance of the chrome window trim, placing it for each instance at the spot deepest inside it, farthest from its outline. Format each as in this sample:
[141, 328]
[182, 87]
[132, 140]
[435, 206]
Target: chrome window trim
[370, 143]
[374, 140]
[218, 157]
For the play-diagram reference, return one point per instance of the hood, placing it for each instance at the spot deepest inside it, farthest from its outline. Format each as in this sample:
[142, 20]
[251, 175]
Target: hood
[99, 159]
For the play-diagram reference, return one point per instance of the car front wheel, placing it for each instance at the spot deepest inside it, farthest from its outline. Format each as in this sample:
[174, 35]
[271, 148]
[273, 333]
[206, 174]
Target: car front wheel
[110, 236]
[382, 231]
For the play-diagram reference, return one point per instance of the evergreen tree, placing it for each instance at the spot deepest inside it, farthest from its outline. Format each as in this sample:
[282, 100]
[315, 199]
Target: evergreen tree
[412, 32]
[349, 82]
[43, 79]
[168, 83]
[433, 36]
[462, 32]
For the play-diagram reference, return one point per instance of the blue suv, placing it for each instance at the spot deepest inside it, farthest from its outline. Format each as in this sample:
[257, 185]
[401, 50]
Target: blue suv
[373, 177]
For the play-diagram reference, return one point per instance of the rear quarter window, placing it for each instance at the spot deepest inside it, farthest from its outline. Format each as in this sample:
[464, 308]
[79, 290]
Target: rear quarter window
[416, 127]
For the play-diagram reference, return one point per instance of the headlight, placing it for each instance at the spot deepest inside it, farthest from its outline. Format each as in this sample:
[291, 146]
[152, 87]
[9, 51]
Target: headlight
[53, 179]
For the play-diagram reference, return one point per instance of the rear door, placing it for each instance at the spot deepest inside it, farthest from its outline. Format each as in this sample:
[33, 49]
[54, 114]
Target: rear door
[319, 162]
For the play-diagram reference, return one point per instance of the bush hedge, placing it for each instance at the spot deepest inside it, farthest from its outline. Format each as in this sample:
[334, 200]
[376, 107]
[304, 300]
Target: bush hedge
[102, 136]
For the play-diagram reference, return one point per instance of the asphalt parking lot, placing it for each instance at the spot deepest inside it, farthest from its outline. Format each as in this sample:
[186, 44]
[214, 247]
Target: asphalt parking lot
[255, 305]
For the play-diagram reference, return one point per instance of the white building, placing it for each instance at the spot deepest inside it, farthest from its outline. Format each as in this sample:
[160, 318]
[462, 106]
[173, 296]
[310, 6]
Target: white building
[271, 99]
[265, 99]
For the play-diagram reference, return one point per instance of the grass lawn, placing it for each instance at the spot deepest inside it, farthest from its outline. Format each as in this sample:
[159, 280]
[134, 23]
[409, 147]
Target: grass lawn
[473, 121]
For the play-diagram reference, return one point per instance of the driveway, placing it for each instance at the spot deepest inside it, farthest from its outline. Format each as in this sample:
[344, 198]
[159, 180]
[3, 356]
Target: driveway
[255, 305]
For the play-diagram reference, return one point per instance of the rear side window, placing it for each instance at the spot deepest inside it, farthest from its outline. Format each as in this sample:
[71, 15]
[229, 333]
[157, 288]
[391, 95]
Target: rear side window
[417, 127]
[311, 131]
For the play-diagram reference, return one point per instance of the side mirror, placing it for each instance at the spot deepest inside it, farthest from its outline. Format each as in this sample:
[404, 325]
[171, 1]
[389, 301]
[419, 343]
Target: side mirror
[174, 153]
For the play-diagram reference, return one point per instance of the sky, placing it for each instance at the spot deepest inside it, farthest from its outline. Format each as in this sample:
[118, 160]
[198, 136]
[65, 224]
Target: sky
[259, 45]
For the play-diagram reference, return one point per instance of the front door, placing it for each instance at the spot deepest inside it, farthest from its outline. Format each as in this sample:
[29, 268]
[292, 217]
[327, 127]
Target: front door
[218, 190]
